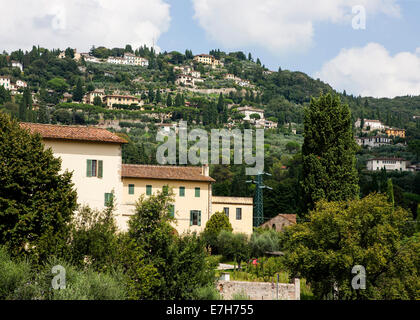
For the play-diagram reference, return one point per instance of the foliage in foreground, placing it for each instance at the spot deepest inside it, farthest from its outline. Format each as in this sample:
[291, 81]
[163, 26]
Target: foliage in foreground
[36, 200]
[368, 232]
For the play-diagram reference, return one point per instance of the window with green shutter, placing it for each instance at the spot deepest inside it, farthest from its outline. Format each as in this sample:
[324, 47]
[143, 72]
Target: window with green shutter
[165, 190]
[88, 168]
[100, 168]
[149, 190]
[182, 191]
[108, 199]
[172, 211]
[197, 192]
[131, 189]
[94, 168]
[195, 218]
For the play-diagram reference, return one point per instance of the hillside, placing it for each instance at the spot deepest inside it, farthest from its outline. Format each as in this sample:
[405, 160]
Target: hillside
[134, 91]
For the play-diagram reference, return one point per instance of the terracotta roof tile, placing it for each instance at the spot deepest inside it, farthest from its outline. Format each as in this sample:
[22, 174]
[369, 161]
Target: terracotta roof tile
[78, 133]
[289, 216]
[164, 172]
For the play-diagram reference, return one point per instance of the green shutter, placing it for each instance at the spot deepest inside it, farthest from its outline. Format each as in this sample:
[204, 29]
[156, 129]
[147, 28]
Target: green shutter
[108, 197]
[182, 191]
[100, 168]
[172, 211]
[131, 189]
[197, 192]
[199, 218]
[148, 190]
[165, 189]
[191, 217]
[88, 168]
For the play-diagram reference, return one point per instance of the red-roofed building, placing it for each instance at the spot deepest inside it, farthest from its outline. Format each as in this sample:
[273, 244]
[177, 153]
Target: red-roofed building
[280, 221]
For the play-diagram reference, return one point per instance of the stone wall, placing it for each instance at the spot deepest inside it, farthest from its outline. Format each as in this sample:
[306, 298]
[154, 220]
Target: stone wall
[260, 290]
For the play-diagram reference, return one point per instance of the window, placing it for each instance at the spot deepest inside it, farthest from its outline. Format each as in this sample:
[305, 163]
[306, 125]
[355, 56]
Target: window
[195, 218]
[94, 168]
[226, 211]
[197, 192]
[108, 199]
[182, 191]
[149, 190]
[238, 213]
[165, 189]
[131, 189]
[172, 211]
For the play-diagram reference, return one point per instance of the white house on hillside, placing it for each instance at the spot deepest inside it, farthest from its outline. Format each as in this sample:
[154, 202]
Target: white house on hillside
[390, 164]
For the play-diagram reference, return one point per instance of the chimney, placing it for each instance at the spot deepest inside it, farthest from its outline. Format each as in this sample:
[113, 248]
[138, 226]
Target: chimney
[205, 170]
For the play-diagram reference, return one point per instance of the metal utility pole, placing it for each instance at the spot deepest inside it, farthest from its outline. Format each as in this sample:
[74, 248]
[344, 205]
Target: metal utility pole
[258, 199]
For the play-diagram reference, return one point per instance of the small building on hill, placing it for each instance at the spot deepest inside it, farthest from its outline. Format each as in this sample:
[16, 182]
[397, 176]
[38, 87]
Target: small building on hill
[280, 221]
[390, 164]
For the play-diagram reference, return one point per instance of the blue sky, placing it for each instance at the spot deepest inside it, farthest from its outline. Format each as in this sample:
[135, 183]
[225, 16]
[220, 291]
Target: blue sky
[315, 37]
[396, 34]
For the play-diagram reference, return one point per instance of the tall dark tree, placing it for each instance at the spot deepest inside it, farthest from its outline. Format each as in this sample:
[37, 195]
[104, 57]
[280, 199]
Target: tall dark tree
[329, 161]
[169, 101]
[36, 200]
[78, 91]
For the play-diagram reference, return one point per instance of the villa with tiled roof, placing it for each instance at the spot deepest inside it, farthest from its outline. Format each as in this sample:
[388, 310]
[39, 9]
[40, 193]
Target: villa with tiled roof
[93, 155]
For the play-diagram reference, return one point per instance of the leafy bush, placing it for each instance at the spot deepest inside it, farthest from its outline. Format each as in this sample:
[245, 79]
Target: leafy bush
[263, 241]
[233, 246]
[94, 239]
[217, 222]
[82, 285]
[13, 275]
[207, 293]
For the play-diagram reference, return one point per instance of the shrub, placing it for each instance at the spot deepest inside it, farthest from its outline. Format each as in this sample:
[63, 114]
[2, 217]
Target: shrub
[13, 275]
[207, 293]
[217, 222]
[263, 241]
[82, 285]
[233, 246]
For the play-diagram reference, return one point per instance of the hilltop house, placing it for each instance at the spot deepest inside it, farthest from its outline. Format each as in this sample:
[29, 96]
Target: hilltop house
[90, 96]
[129, 59]
[393, 132]
[17, 64]
[207, 59]
[93, 155]
[369, 125]
[375, 141]
[112, 99]
[187, 80]
[5, 82]
[390, 164]
[247, 111]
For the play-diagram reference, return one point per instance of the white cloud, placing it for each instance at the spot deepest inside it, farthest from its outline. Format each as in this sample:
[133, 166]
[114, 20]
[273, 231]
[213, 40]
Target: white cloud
[278, 25]
[372, 71]
[81, 23]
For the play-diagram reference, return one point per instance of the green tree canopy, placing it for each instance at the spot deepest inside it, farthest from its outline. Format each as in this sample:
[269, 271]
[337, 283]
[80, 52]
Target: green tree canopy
[329, 161]
[36, 201]
[367, 232]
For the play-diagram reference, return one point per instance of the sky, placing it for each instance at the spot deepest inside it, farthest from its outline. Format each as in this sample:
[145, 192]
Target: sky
[366, 47]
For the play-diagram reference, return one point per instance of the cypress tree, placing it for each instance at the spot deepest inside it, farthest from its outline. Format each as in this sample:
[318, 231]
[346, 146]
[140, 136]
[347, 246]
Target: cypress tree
[329, 148]
[78, 91]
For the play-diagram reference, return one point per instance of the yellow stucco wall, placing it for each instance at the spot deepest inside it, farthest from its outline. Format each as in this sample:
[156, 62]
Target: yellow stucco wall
[243, 225]
[90, 190]
[183, 205]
